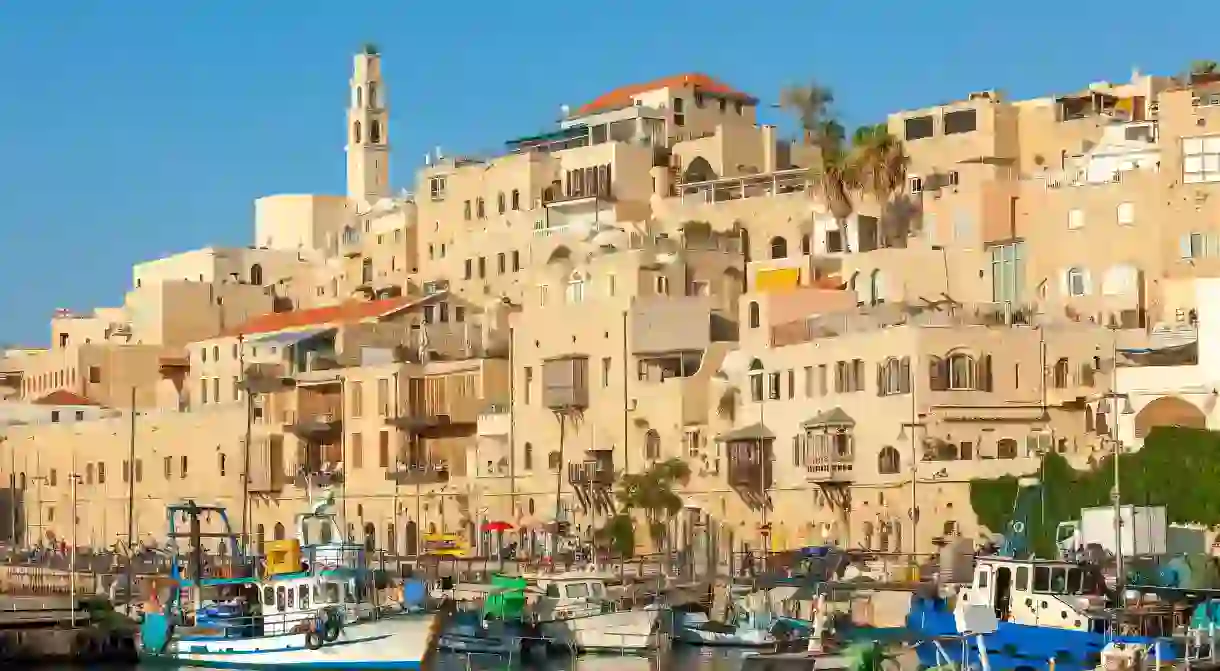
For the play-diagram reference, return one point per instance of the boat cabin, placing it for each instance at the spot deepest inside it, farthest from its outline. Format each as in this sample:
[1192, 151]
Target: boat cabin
[573, 595]
[1040, 593]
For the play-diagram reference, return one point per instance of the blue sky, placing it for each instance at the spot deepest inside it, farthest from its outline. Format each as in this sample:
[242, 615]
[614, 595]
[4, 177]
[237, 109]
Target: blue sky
[131, 129]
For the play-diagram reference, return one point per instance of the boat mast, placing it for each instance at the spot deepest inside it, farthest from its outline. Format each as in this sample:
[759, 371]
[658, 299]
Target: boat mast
[1114, 414]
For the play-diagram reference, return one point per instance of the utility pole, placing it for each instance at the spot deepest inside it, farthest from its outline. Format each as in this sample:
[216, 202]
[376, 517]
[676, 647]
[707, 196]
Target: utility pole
[73, 479]
[131, 502]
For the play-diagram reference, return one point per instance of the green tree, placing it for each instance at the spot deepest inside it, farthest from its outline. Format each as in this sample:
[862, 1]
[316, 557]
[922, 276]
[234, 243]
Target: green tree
[650, 493]
[1203, 67]
[1177, 468]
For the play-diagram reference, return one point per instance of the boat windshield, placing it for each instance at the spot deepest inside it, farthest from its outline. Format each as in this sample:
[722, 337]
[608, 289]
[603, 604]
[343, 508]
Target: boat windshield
[1063, 580]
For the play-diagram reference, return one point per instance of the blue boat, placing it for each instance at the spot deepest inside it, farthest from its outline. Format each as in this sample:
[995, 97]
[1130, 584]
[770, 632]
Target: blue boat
[311, 608]
[1046, 610]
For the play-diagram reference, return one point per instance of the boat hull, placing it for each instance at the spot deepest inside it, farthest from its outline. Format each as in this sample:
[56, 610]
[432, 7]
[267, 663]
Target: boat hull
[394, 642]
[621, 631]
[1016, 646]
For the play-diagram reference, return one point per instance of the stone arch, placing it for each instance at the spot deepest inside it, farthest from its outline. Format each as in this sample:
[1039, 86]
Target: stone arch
[256, 274]
[1168, 411]
[356, 132]
[279, 531]
[698, 170]
[411, 537]
[779, 247]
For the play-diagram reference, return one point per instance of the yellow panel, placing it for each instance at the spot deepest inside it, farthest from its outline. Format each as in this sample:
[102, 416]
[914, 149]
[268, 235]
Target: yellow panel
[777, 279]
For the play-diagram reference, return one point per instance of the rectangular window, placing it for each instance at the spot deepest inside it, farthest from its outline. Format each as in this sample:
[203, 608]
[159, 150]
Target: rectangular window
[1201, 159]
[482, 267]
[960, 121]
[203, 390]
[791, 383]
[1075, 219]
[383, 449]
[527, 385]
[469, 268]
[357, 399]
[167, 467]
[808, 381]
[919, 127]
[236, 388]
[1126, 214]
[605, 372]
[773, 386]
[516, 261]
[501, 263]
[383, 396]
[1007, 272]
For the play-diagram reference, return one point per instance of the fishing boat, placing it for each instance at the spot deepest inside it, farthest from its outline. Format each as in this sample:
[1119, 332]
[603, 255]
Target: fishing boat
[305, 606]
[498, 626]
[575, 612]
[744, 630]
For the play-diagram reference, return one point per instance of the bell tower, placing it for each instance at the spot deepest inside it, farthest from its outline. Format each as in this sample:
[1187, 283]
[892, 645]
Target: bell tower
[368, 146]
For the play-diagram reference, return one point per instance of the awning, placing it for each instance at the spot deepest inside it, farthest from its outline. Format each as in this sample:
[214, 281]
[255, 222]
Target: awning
[285, 338]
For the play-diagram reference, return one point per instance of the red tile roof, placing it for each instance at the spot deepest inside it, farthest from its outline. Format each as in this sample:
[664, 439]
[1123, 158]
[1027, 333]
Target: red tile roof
[349, 311]
[63, 397]
[622, 97]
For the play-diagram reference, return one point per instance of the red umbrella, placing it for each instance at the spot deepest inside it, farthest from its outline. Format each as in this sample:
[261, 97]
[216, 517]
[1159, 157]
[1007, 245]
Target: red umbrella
[497, 526]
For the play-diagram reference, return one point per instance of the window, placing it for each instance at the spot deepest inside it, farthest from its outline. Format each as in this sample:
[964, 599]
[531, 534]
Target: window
[773, 386]
[610, 285]
[1201, 159]
[501, 263]
[101, 473]
[527, 460]
[356, 449]
[791, 383]
[516, 261]
[95, 375]
[516, 200]
[755, 317]
[528, 383]
[756, 387]
[808, 381]
[605, 372]
[542, 294]
[466, 210]
[182, 467]
[919, 127]
[1077, 282]
[383, 449]
[482, 267]
[1075, 219]
[779, 247]
[894, 376]
[469, 268]
[501, 203]
[1191, 245]
[383, 396]
[375, 132]
[220, 464]
[1007, 272]
[203, 389]
[479, 209]
[168, 467]
[961, 372]
[55, 416]
[889, 461]
[1126, 214]
[436, 188]
[679, 117]
[357, 399]
[915, 184]
[960, 121]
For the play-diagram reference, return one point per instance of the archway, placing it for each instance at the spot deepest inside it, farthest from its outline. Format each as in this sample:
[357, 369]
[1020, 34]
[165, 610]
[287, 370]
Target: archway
[256, 275]
[279, 531]
[699, 170]
[411, 533]
[370, 536]
[1168, 411]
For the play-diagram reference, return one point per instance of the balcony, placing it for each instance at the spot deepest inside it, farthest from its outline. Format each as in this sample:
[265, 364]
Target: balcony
[591, 474]
[671, 324]
[317, 478]
[350, 244]
[320, 463]
[449, 341]
[317, 415]
[565, 382]
[829, 447]
[750, 457]
[753, 186]
[416, 471]
[267, 465]
[318, 368]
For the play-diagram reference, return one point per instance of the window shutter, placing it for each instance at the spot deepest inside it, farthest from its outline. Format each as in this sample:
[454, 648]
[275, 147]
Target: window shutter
[904, 383]
[1086, 281]
[936, 375]
[1064, 289]
[1184, 246]
[881, 379]
[984, 376]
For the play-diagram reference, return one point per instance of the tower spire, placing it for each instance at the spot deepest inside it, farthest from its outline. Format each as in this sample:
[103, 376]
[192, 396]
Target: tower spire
[368, 147]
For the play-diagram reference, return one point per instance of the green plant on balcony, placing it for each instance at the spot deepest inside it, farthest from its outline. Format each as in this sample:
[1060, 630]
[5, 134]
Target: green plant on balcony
[1177, 468]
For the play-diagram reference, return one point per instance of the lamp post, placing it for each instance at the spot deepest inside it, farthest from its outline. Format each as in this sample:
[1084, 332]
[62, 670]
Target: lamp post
[1113, 411]
[914, 426]
[74, 479]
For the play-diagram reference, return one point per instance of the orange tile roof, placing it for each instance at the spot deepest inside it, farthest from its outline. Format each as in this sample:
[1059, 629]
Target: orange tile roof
[622, 97]
[63, 397]
[348, 311]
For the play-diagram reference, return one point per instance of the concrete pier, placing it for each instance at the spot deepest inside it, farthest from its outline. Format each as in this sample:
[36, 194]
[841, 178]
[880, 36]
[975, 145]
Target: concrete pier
[38, 630]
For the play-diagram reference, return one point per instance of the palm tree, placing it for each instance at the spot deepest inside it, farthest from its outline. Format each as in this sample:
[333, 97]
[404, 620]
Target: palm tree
[652, 493]
[811, 105]
[881, 162]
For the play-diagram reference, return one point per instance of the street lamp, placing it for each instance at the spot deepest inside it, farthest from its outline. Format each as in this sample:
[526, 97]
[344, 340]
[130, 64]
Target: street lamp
[1110, 405]
[40, 479]
[913, 425]
[74, 479]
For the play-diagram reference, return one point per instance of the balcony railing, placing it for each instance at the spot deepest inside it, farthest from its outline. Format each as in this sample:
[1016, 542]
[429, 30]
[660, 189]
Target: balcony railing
[419, 472]
[829, 470]
[754, 186]
[325, 476]
[313, 425]
[590, 473]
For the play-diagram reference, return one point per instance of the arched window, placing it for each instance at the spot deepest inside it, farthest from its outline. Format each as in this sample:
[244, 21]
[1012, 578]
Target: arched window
[961, 371]
[375, 132]
[576, 288]
[805, 247]
[1006, 448]
[359, 100]
[779, 247]
[370, 536]
[356, 132]
[755, 317]
[412, 538]
[373, 95]
[528, 460]
[391, 540]
[889, 462]
[652, 444]
[256, 274]
[260, 537]
[1076, 282]
[554, 461]
[516, 199]
[279, 531]
[221, 464]
[501, 203]
[876, 287]
[756, 381]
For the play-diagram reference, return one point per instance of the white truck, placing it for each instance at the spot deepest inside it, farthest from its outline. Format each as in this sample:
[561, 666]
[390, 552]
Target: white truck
[1145, 532]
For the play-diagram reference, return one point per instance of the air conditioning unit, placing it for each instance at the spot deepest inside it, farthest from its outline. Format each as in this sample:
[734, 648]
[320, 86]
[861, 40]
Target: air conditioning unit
[1196, 101]
[435, 287]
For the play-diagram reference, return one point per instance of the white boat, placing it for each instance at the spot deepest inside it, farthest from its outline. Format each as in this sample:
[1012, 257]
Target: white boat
[694, 628]
[574, 611]
[313, 608]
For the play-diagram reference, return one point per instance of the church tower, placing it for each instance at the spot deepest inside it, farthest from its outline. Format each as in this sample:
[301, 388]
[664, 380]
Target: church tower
[368, 146]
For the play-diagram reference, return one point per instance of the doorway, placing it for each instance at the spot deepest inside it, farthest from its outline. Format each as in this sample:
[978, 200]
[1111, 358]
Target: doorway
[1003, 592]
